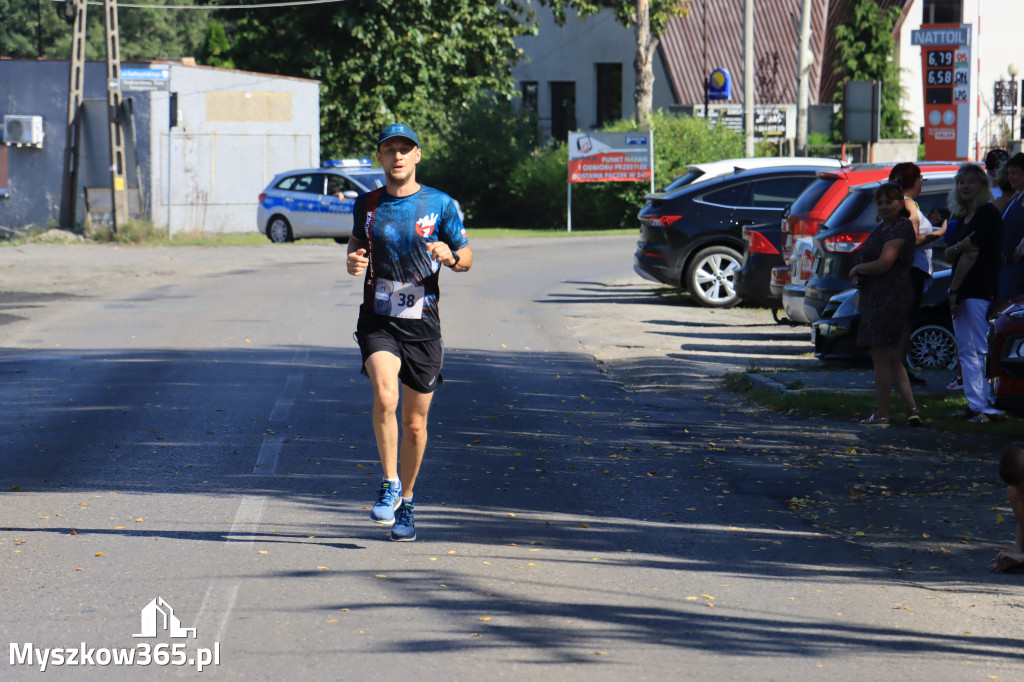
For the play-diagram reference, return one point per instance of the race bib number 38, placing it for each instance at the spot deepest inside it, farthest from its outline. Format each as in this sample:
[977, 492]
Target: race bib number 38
[398, 299]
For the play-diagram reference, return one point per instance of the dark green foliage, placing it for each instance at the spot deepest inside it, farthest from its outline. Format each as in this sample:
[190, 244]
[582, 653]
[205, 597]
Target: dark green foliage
[476, 158]
[216, 47]
[490, 164]
[865, 51]
[38, 29]
[380, 61]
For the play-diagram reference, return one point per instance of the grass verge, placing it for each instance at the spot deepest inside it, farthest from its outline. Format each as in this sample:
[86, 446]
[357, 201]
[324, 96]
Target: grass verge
[144, 234]
[935, 408]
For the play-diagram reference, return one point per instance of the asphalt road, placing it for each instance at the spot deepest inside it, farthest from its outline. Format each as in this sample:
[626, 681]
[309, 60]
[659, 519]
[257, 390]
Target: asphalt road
[190, 424]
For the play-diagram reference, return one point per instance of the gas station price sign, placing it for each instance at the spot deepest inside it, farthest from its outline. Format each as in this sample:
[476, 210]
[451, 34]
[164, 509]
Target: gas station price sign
[946, 76]
[938, 76]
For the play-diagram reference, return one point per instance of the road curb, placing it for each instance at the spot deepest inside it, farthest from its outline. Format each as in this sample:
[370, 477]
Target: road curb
[760, 381]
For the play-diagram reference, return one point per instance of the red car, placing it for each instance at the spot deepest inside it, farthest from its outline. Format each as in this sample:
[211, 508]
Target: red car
[1006, 358]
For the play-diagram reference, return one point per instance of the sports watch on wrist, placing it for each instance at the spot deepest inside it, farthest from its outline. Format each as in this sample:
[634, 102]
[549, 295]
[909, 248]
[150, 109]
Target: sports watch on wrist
[455, 255]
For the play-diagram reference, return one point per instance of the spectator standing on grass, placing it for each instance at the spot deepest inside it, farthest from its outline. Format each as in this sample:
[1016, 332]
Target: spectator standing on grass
[1011, 470]
[908, 176]
[886, 296]
[976, 258]
[1011, 273]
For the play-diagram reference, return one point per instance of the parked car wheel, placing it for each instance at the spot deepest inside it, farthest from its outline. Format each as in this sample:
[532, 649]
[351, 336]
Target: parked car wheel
[279, 231]
[710, 277]
[341, 240]
[932, 346]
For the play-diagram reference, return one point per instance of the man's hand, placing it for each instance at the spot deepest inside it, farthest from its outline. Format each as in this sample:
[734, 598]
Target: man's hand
[441, 253]
[357, 262]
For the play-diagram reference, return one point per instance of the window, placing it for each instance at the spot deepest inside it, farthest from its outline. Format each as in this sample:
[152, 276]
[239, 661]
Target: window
[857, 210]
[563, 108]
[609, 93]
[302, 183]
[778, 192]
[339, 183]
[530, 92]
[806, 202]
[730, 195]
[942, 11]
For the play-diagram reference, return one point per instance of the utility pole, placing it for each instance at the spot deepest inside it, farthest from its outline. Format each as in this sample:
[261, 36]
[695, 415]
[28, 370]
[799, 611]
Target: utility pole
[803, 73]
[118, 185]
[748, 75]
[74, 13]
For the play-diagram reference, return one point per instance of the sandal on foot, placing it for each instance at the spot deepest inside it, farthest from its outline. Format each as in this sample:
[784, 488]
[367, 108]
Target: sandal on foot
[965, 413]
[914, 418]
[980, 418]
[875, 421]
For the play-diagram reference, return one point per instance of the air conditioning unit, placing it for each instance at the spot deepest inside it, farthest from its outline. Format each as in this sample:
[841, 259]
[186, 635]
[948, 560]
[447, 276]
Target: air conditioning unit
[23, 131]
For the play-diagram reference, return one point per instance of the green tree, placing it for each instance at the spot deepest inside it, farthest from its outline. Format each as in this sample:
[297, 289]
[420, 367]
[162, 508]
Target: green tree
[32, 28]
[216, 47]
[382, 60]
[865, 50]
[36, 28]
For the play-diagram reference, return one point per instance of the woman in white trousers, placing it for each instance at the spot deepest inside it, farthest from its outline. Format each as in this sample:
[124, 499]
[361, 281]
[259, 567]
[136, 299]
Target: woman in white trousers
[976, 257]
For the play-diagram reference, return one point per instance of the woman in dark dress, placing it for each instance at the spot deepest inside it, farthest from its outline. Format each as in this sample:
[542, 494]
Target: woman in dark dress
[886, 300]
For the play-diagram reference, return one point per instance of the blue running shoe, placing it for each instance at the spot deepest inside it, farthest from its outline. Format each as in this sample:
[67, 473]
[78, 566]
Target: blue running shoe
[403, 530]
[388, 498]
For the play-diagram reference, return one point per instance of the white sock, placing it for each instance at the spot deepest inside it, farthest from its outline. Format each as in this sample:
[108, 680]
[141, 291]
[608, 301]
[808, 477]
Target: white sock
[407, 499]
[393, 481]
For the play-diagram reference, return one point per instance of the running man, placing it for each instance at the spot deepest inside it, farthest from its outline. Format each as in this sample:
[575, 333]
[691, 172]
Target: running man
[401, 236]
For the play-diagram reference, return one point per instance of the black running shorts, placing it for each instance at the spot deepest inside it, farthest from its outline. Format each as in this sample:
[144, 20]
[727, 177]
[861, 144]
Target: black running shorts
[421, 360]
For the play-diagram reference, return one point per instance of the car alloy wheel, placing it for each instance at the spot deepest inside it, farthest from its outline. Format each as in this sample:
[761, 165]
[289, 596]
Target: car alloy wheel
[279, 231]
[932, 346]
[710, 279]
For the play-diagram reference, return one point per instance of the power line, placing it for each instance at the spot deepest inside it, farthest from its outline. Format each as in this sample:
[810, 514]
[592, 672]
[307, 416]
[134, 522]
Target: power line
[297, 3]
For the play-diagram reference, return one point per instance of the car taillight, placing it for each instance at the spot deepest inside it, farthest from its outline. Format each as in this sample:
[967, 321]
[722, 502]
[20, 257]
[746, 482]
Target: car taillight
[847, 242]
[804, 228]
[759, 243]
[806, 264]
[781, 276]
[665, 220]
[263, 195]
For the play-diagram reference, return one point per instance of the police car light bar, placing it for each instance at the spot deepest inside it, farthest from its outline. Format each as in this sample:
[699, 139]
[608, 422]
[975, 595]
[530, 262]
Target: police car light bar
[347, 163]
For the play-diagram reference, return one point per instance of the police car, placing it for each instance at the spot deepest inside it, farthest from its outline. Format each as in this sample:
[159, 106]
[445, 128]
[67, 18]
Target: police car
[315, 202]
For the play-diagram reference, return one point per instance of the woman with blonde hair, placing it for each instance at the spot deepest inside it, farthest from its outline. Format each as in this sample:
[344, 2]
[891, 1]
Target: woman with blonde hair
[976, 258]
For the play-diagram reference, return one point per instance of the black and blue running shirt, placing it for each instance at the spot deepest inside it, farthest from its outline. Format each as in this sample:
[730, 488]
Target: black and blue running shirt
[401, 291]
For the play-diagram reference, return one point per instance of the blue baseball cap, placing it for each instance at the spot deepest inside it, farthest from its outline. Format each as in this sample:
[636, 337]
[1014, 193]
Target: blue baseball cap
[397, 130]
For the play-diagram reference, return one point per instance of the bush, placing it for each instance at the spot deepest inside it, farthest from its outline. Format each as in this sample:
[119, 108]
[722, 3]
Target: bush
[475, 164]
[493, 166]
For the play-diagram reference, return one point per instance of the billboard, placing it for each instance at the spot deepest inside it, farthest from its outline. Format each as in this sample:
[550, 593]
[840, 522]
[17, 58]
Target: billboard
[610, 157]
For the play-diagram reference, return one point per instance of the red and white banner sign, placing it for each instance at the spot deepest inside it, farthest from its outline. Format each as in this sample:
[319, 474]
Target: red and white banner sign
[610, 157]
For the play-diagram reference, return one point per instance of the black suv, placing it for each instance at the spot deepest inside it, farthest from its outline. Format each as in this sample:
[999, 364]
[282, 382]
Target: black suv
[692, 237]
[837, 243]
